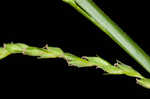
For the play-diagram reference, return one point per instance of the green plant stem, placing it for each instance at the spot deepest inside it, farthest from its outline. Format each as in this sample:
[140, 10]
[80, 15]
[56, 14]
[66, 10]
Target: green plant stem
[91, 11]
[54, 52]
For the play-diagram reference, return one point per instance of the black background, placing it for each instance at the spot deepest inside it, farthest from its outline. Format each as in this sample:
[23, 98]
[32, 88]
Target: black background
[55, 23]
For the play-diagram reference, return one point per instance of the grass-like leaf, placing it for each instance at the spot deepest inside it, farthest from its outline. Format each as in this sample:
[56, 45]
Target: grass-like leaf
[91, 11]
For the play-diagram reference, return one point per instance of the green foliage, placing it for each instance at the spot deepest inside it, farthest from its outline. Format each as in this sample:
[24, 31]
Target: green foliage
[92, 12]
[54, 52]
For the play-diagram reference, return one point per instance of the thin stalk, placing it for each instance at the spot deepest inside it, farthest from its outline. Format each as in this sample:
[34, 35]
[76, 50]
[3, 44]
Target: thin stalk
[91, 11]
[72, 60]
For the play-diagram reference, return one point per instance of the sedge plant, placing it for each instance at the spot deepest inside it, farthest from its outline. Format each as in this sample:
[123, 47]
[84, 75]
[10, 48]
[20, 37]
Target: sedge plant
[92, 12]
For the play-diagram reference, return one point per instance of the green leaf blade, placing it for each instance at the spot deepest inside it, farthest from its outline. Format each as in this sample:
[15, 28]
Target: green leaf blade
[101, 20]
